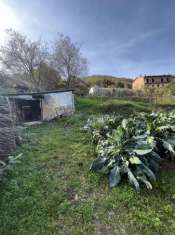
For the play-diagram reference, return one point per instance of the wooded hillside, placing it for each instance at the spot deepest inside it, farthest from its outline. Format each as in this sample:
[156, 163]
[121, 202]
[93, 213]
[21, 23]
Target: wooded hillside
[108, 81]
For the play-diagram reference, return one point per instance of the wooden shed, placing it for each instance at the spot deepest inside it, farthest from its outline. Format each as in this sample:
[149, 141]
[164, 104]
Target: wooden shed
[40, 106]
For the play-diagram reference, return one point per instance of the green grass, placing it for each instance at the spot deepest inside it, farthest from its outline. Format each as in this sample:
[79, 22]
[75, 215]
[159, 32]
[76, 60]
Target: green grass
[52, 191]
[106, 105]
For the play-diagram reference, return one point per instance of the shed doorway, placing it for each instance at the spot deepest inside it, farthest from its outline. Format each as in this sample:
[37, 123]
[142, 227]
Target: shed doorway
[29, 110]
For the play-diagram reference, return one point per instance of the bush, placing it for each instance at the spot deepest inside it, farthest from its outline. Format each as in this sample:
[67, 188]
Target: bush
[132, 148]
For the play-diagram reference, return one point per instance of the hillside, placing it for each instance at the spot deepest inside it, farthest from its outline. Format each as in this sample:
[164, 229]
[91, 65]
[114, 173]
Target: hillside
[108, 81]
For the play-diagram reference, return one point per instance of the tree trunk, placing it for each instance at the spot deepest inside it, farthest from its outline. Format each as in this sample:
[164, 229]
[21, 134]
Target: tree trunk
[68, 81]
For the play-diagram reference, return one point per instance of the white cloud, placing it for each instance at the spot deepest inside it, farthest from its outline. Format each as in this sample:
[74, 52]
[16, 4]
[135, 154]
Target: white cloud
[8, 19]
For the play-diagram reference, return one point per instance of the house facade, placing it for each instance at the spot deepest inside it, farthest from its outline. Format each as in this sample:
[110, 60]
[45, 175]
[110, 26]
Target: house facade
[151, 81]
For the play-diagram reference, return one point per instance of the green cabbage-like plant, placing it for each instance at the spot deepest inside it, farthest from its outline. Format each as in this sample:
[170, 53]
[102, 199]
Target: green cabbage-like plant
[102, 126]
[132, 148]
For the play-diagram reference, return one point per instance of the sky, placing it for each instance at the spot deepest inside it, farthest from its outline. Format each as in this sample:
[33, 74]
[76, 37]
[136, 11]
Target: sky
[119, 37]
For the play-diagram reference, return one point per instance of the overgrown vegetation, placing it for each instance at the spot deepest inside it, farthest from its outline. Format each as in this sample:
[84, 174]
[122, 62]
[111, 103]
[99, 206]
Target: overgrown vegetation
[52, 191]
[157, 95]
[8, 165]
[132, 147]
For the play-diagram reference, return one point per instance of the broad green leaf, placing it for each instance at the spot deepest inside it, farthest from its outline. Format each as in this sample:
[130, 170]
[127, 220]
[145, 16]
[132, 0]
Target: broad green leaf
[149, 173]
[154, 165]
[132, 180]
[145, 181]
[114, 177]
[167, 145]
[98, 164]
[151, 141]
[142, 151]
[155, 156]
[137, 137]
[171, 141]
[135, 160]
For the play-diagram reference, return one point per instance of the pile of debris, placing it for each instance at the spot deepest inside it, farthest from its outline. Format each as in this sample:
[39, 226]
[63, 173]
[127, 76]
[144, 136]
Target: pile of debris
[7, 130]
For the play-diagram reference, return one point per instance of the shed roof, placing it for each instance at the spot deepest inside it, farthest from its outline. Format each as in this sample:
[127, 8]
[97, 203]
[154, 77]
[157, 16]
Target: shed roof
[37, 93]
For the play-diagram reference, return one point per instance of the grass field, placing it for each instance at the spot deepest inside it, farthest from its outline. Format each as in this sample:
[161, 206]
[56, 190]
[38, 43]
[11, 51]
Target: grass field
[52, 191]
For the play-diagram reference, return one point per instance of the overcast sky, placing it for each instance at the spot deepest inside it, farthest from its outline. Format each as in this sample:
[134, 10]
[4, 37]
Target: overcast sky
[119, 37]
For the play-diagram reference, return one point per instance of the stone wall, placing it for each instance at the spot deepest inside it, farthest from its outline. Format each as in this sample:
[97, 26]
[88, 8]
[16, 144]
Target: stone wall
[7, 131]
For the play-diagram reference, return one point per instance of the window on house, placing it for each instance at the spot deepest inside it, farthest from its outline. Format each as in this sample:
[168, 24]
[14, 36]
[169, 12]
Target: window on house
[161, 79]
[147, 80]
[167, 79]
[152, 80]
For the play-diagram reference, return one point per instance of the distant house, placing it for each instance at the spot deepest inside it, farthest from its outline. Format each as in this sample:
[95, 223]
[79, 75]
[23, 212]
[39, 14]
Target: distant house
[38, 106]
[151, 81]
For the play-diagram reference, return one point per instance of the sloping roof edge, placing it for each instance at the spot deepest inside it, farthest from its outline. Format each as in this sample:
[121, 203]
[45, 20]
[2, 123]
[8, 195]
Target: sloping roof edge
[38, 93]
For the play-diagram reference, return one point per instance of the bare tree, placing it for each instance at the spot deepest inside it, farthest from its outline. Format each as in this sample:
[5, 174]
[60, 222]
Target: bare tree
[22, 56]
[68, 59]
[49, 77]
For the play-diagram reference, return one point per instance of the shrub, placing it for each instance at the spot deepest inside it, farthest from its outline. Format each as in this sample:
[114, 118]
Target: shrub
[132, 148]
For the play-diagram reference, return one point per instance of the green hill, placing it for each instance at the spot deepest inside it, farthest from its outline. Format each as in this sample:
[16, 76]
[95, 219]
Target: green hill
[108, 81]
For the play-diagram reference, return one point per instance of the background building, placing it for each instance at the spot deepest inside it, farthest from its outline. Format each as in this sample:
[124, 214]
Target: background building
[153, 81]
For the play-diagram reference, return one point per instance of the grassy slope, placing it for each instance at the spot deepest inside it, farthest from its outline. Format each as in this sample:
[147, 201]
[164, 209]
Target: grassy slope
[52, 191]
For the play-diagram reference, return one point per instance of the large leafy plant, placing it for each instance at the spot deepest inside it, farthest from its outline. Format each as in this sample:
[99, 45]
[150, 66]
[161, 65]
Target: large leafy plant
[132, 148]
